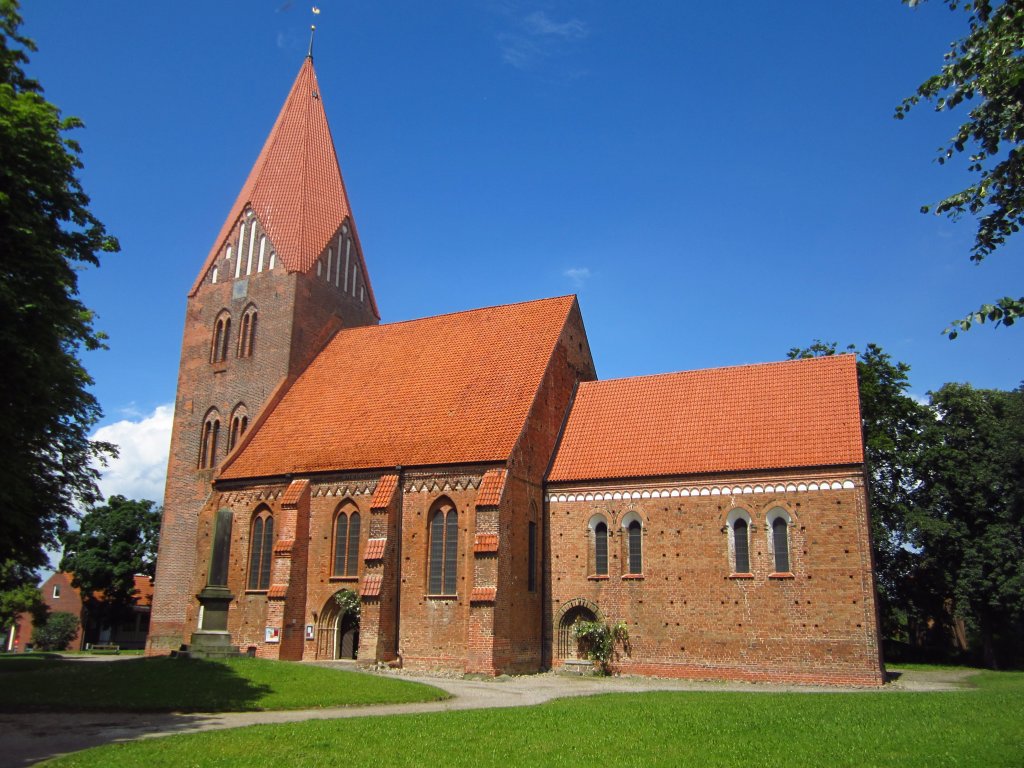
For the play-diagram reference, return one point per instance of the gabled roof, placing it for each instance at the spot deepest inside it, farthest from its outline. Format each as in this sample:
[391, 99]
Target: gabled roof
[450, 389]
[295, 187]
[799, 413]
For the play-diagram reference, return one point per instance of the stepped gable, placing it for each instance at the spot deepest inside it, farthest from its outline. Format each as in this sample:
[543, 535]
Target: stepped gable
[295, 187]
[799, 413]
[450, 389]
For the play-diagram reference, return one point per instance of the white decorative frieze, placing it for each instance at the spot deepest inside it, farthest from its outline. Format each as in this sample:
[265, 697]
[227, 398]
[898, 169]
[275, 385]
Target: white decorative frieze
[709, 490]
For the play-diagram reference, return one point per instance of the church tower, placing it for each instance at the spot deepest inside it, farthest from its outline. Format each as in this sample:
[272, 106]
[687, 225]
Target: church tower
[284, 274]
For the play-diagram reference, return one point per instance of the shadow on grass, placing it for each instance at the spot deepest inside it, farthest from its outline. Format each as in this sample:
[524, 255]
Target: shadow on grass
[38, 683]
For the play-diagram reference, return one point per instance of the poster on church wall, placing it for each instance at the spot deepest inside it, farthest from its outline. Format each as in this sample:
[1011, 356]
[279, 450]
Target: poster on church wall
[309, 631]
[272, 635]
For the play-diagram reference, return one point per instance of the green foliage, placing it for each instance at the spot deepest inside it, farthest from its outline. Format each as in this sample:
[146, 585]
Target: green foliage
[191, 685]
[894, 426]
[980, 728]
[56, 632]
[19, 594]
[114, 542]
[599, 641]
[348, 601]
[47, 462]
[969, 526]
[985, 68]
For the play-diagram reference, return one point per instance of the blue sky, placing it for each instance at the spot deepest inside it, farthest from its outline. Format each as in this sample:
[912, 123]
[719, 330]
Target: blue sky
[718, 182]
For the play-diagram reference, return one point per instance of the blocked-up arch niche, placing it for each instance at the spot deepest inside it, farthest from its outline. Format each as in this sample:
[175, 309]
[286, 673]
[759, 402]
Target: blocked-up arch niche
[577, 609]
[247, 332]
[209, 439]
[221, 337]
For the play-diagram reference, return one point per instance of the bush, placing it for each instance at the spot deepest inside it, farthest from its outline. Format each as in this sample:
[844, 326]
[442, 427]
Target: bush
[598, 641]
[56, 632]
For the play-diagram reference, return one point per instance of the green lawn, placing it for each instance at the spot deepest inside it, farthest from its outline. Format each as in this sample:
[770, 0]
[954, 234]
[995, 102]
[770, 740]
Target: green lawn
[978, 727]
[40, 682]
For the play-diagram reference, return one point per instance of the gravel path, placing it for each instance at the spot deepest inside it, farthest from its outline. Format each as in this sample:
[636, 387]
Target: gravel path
[29, 738]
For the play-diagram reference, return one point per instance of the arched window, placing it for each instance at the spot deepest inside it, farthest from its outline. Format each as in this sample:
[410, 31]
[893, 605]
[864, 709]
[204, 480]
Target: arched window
[247, 332]
[779, 521]
[634, 534]
[261, 549]
[221, 335]
[346, 541]
[741, 546]
[599, 545]
[209, 439]
[239, 423]
[444, 549]
[737, 525]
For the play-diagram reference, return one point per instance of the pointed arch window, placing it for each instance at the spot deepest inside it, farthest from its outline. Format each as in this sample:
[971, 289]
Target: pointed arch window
[346, 541]
[247, 332]
[239, 423]
[444, 548]
[261, 549]
[209, 439]
[221, 337]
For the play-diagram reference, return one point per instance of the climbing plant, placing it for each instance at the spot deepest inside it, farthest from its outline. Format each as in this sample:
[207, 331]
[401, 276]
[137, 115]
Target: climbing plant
[348, 601]
[599, 641]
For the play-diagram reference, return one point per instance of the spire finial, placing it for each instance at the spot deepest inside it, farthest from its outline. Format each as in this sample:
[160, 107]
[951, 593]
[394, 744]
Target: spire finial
[312, 31]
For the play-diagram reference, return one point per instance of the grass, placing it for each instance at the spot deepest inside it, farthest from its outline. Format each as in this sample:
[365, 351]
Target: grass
[978, 727]
[42, 683]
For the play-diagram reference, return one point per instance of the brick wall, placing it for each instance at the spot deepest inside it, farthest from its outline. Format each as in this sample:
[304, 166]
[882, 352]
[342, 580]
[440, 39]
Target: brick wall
[689, 615]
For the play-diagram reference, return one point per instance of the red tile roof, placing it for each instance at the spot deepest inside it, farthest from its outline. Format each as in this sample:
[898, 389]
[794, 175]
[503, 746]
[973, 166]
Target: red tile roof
[485, 542]
[295, 188]
[375, 549]
[294, 492]
[491, 487]
[791, 414]
[277, 592]
[450, 389]
[385, 492]
[371, 585]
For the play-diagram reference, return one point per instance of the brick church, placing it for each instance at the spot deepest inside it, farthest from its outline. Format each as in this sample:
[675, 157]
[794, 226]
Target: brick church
[456, 492]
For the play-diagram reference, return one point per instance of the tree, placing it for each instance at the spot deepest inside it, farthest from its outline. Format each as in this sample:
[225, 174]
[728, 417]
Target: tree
[47, 462]
[56, 632]
[113, 543]
[969, 527]
[986, 68]
[894, 431]
[19, 594]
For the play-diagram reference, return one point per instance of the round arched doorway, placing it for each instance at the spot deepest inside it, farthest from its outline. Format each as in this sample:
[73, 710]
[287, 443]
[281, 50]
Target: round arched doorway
[567, 647]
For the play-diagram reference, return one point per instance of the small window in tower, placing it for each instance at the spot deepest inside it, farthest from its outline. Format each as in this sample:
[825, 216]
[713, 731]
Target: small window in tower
[337, 273]
[247, 333]
[330, 263]
[221, 336]
[239, 421]
[362, 295]
[208, 440]
[252, 247]
[319, 268]
[273, 260]
[56, 591]
[263, 251]
[353, 279]
[214, 274]
[348, 251]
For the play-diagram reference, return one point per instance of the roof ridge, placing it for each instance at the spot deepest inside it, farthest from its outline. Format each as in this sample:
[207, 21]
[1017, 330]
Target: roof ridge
[458, 312]
[666, 374]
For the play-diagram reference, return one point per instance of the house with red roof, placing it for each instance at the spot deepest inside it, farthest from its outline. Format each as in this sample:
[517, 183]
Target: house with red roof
[457, 492]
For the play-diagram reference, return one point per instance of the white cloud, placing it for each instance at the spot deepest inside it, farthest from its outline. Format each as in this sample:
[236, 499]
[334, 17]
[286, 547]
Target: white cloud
[538, 39]
[141, 469]
[539, 23]
[577, 275]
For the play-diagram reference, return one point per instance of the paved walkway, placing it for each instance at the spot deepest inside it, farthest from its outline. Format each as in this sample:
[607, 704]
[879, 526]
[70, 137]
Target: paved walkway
[29, 738]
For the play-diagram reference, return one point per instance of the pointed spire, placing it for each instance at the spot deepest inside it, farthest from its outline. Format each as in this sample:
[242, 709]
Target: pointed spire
[295, 187]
